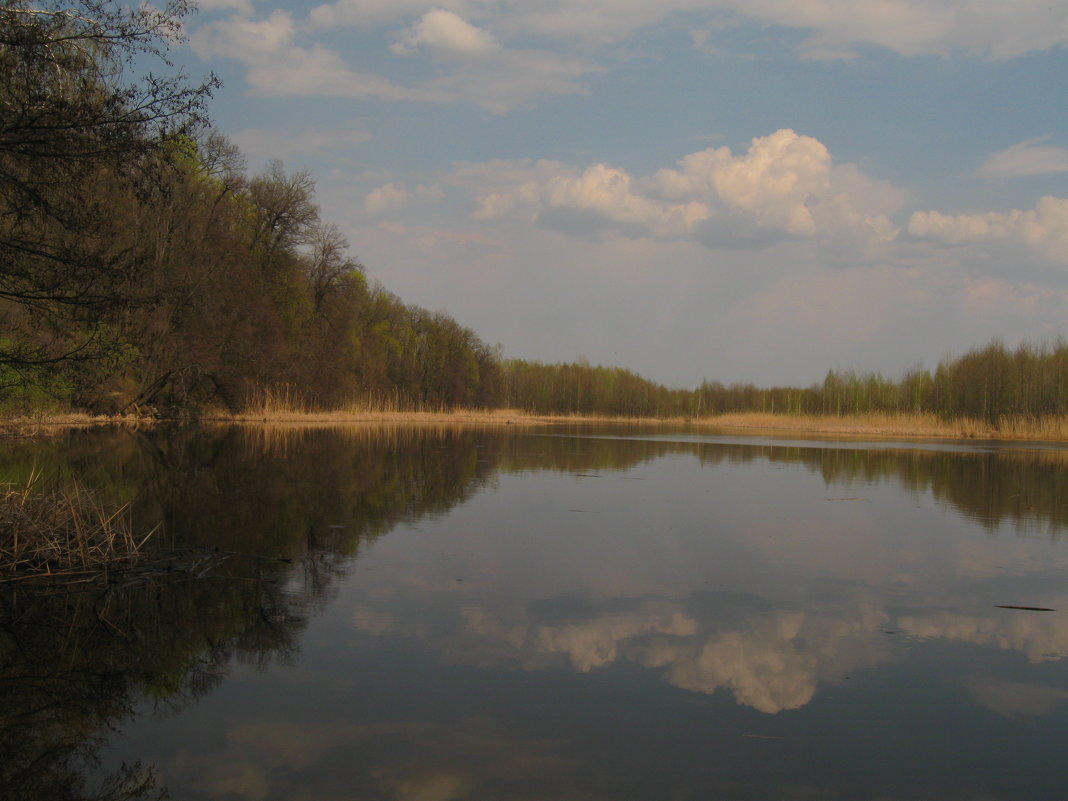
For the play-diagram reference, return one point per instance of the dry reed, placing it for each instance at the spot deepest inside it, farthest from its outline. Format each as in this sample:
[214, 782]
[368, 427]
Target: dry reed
[62, 532]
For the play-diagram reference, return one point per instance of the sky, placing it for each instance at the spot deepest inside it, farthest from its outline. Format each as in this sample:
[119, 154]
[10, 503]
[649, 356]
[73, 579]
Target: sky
[731, 190]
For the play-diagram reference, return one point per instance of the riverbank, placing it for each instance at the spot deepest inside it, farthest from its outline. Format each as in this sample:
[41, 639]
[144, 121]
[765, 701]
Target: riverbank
[921, 426]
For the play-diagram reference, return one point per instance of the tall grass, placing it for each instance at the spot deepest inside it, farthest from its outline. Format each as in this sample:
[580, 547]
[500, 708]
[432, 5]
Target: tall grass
[63, 531]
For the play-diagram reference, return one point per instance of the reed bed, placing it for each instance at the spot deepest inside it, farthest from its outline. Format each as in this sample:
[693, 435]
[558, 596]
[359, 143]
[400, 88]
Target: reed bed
[67, 531]
[872, 424]
[1049, 428]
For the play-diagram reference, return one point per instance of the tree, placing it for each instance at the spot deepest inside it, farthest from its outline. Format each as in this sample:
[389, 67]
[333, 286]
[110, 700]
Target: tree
[80, 146]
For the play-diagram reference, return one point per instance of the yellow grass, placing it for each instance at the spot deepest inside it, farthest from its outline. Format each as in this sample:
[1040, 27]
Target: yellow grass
[900, 425]
[877, 425]
[359, 414]
[286, 407]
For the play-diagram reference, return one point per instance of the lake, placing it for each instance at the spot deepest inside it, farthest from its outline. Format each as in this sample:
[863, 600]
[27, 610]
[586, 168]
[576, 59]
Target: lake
[572, 612]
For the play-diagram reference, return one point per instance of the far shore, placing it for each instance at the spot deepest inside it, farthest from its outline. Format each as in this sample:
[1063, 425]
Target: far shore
[887, 426]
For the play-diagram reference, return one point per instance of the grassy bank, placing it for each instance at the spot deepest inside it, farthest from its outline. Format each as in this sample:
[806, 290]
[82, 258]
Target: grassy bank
[1051, 428]
[864, 425]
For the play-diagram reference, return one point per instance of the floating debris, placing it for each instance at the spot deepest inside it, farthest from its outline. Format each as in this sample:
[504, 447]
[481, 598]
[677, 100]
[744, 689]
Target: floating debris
[1026, 608]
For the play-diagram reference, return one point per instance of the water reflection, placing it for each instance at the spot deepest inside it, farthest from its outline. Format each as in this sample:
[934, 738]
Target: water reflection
[75, 663]
[551, 616]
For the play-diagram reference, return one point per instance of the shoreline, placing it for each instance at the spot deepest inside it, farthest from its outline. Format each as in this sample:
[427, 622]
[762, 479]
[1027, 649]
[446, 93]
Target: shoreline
[881, 426]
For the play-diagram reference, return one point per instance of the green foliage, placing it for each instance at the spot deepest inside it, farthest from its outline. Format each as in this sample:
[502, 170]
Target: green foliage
[990, 383]
[141, 268]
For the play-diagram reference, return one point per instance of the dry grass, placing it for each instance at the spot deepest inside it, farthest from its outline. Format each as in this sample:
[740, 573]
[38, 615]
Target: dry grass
[899, 425]
[65, 531]
[49, 424]
[282, 408]
[284, 404]
[905, 425]
[871, 425]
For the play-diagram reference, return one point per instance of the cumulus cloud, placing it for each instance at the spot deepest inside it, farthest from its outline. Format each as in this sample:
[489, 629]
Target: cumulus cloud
[785, 186]
[1043, 228]
[447, 34]
[1026, 158]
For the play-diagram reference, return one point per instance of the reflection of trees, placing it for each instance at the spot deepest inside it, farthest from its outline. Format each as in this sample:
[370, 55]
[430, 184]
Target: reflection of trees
[331, 487]
[281, 513]
[1019, 487]
[74, 663]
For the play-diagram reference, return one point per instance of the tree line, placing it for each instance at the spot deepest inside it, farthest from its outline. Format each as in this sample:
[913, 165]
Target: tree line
[142, 267]
[988, 383]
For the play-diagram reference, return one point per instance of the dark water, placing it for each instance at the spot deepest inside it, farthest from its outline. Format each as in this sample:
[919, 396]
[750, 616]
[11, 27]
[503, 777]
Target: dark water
[443, 614]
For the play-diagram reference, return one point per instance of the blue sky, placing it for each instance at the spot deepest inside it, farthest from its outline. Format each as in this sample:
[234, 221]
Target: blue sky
[738, 191]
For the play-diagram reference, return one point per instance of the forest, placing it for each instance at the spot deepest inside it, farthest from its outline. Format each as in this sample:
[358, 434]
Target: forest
[989, 383]
[144, 270]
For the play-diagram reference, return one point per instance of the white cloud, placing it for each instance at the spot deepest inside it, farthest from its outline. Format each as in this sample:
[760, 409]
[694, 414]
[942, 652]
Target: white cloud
[391, 197]
[240, 6]
[604, 196]
[785, 185]
[835, 27]
[480, 70]
[446, 33]
[373, 13]
[245, 39]
[1024, 158]
[277, 66]
[918, 27]
[1043, 228]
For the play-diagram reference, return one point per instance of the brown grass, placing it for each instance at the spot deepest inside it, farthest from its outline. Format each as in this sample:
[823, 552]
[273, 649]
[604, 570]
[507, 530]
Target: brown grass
[875, 424]
[900, 425]
[48, 424]
[285, 405]
[62, 531]
[867, 425]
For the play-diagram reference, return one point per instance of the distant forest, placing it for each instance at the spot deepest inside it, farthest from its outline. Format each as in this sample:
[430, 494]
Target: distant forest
[989, 383]
[142, 268]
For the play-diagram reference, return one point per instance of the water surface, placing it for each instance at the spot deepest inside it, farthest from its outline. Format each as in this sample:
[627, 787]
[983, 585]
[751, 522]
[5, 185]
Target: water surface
[586, 613]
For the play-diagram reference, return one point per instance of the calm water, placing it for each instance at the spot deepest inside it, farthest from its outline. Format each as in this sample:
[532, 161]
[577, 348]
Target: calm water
[443, 615]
